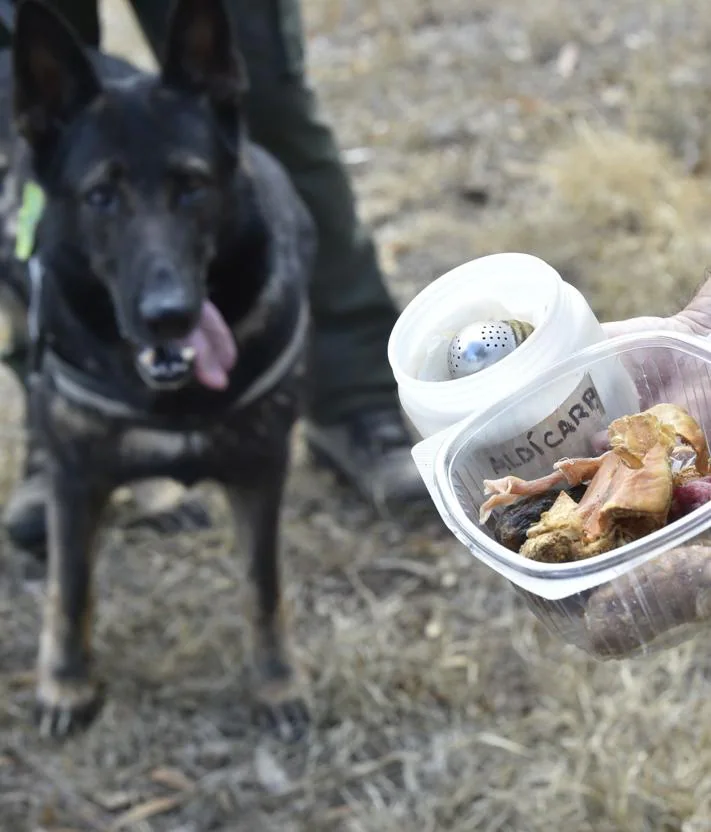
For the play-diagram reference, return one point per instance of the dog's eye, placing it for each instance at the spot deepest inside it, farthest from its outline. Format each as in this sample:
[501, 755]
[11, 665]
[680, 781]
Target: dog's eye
[190, 189]
[103, 197]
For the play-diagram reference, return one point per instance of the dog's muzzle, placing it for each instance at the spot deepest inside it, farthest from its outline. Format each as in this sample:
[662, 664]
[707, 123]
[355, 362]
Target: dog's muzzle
[206, 355]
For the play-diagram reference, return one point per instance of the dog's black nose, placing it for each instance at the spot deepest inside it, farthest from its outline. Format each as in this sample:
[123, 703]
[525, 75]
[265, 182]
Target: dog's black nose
[167, 314]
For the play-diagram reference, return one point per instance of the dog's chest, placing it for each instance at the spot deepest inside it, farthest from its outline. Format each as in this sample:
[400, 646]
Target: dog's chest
[228, 447]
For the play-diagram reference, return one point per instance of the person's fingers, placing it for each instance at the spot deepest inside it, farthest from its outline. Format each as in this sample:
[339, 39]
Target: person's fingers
[659, 376]
[675, 323]
[696, 316]
[632, 325]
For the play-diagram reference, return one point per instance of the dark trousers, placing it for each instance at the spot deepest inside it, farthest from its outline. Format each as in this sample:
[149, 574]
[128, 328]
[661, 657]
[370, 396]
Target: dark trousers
[353, 312]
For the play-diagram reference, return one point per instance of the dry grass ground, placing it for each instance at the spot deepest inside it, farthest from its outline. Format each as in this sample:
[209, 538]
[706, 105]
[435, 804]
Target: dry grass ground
[575, 129]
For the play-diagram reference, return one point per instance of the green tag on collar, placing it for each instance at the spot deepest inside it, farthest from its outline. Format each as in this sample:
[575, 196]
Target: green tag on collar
[27, 219]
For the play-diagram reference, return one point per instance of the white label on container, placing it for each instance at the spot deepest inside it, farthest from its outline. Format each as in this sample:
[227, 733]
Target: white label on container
[565, 433]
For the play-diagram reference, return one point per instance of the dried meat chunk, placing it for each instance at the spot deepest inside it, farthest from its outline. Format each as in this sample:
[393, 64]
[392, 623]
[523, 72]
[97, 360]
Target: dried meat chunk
[645, 607]
[508, 490]
[631, 437]
[630, 487]
[557, 536]
[515, 520]
[620, 504]
[629, 502]
[689, 496]
[687, 428]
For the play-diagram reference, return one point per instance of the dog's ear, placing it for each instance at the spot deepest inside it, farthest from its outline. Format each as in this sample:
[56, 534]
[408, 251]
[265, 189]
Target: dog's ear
[201, 58]
[53, 76]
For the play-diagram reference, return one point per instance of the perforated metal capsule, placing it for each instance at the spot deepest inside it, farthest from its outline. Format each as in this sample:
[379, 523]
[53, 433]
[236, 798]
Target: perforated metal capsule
[481, 344]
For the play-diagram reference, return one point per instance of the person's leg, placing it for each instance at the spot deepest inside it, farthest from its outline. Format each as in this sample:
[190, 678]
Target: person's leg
[83, 15]
[354, 423]
[353, 313]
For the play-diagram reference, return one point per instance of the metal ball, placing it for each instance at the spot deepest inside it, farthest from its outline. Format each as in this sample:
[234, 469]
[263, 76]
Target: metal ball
[481, 344]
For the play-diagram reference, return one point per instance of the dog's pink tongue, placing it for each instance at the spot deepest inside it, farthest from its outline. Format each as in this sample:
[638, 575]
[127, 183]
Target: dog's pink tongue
[215, 348]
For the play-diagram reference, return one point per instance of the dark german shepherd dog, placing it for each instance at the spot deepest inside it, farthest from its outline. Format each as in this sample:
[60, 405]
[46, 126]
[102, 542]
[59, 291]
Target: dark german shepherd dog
[169, 310]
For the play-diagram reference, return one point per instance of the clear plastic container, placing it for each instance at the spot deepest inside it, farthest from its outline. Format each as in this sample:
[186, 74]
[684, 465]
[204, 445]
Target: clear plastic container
[643, 596]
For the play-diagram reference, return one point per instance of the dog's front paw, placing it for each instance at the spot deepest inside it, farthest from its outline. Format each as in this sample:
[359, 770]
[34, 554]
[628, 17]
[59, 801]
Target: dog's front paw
[288, 720]
[280, 703]
[64, 707]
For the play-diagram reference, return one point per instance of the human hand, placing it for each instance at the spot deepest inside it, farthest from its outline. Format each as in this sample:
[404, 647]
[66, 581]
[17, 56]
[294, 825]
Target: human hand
[694, 319]
[665, 381]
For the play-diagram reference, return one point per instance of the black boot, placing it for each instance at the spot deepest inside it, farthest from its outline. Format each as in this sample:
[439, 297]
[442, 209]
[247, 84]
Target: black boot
[24, 514]
[370, 450]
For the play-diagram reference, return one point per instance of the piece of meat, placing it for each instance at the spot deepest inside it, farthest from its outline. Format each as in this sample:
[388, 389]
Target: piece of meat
[631, 437]
[620, 504]
[515, 520]
[628, 499]
[630, 487]
[689, 496]
[508, 490]
[645, 606]
[687, 428]
[557, 536]
[581, 469]
[667, 424]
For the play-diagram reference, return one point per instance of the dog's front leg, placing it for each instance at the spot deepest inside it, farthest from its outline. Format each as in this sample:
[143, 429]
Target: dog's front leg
[277, 689]
[68, 696]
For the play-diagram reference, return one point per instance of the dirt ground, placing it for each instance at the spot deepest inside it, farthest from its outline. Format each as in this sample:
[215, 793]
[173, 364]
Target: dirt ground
[574, 129]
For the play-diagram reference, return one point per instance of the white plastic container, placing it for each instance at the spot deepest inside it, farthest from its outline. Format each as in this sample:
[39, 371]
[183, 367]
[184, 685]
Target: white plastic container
[643, 596]
[499, 286]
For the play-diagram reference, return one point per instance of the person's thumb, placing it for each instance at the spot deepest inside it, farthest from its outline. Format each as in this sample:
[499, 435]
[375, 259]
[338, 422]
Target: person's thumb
[696, 316]
[642, 324]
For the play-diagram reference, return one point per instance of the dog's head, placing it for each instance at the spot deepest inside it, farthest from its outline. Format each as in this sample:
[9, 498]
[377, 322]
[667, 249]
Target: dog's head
[138, 176]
